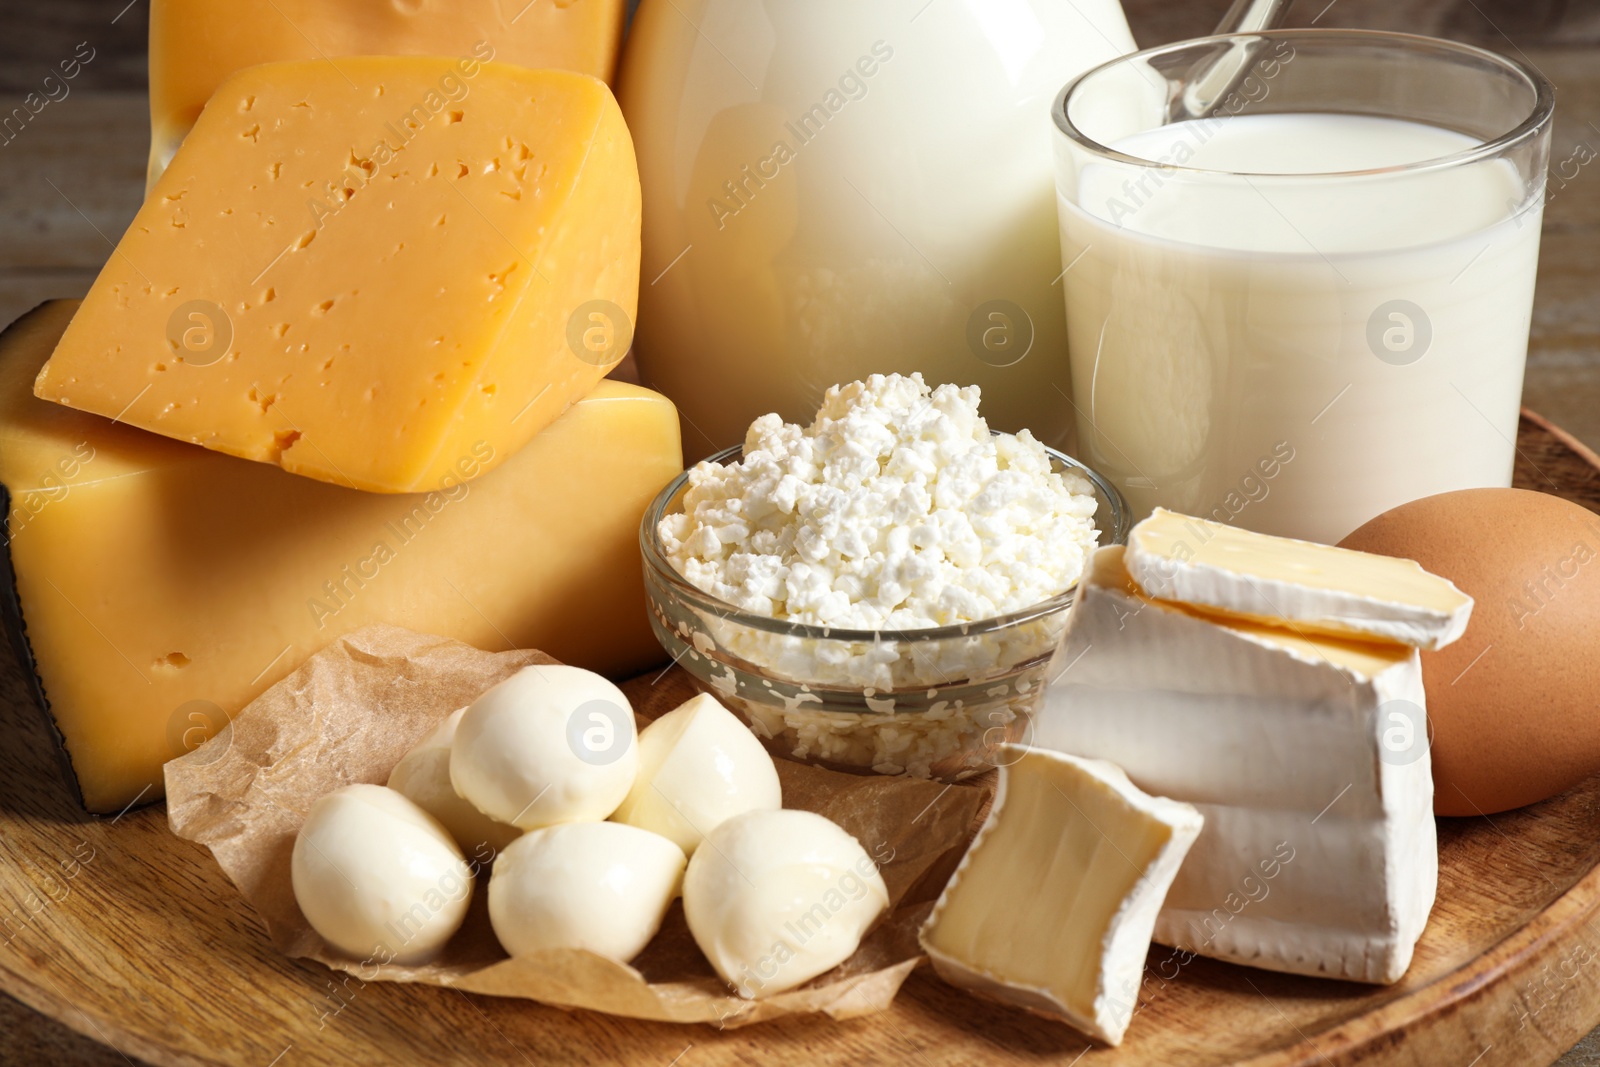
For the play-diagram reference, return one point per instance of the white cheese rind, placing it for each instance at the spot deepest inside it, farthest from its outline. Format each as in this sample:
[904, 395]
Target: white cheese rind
[1127, 934]
[1218, 568]
[1279, 742]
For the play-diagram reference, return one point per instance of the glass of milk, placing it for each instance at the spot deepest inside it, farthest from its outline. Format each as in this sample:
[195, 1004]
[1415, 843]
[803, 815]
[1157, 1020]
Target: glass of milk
[1300, 271]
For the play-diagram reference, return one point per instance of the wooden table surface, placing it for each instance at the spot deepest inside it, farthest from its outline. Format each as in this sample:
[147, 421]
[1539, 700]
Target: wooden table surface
[72, 179]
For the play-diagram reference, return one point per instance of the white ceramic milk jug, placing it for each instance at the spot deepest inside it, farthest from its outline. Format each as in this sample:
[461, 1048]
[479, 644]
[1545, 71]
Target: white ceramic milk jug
[834, 188]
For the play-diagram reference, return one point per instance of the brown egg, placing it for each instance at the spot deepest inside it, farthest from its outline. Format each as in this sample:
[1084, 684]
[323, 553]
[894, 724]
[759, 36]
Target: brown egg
[1515, 704]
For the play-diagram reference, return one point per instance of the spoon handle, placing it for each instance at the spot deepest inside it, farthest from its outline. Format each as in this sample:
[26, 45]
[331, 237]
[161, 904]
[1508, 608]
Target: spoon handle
[1248, 16]
[1213, 79]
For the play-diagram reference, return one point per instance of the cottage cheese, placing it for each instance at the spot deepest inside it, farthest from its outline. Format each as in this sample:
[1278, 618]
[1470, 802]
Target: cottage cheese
[896, 509]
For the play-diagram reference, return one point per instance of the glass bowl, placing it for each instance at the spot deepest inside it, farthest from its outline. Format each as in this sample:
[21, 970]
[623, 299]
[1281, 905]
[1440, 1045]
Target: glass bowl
[931, 703]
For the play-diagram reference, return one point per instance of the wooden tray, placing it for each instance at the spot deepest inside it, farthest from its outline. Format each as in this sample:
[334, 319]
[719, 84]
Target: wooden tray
[134, 938]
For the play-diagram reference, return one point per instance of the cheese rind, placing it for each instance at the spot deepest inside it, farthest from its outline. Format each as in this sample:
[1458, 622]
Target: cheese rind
[358, 272]
[195, 45]
[1306, 755]
[1053, 906]
[154, 575]
[1278, 581]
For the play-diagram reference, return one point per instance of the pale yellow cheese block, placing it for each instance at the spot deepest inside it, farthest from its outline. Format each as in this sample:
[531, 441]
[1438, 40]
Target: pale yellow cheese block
[164, 585]
[196, 44]
[357, 271]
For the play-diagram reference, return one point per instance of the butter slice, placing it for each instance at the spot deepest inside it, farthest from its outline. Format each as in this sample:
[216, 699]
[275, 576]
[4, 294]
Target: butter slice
[1053, 907]
[1278, 581]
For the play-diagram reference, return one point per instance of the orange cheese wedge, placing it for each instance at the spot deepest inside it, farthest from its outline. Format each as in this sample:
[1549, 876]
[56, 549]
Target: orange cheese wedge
[360, 270]
[164, 586]
[196, 44]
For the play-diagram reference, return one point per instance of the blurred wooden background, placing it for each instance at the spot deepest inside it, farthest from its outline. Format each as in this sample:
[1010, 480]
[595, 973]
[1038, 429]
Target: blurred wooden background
[71, 181]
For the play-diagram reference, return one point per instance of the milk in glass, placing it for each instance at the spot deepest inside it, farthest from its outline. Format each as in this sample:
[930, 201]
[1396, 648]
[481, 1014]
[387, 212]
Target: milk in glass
[1292, 354]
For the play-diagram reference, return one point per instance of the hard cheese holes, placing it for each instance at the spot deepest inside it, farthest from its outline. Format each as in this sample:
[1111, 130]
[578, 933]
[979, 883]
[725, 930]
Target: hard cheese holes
[400, 260]
[161, 581]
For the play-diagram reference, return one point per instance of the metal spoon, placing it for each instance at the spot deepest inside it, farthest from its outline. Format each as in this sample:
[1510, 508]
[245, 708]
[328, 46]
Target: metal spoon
[1215, 78]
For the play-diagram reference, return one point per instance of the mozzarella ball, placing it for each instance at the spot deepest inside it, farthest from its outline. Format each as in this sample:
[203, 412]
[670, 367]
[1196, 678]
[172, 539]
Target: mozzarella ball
[599, 886]
[698, 766]
[549, 745]
[776, 898]
[423, 776]
[378, 877]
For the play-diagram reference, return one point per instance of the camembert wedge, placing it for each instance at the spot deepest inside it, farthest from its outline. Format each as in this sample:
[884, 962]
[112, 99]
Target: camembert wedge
[1052, 907]
[1309, 587]
[1306, 754]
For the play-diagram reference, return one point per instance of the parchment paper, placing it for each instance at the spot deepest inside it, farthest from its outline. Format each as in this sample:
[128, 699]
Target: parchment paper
[356, 707]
